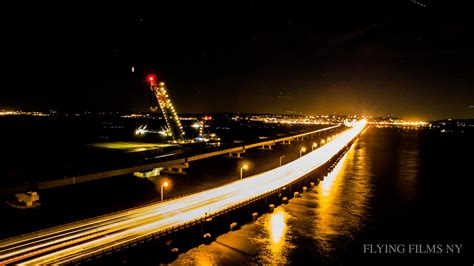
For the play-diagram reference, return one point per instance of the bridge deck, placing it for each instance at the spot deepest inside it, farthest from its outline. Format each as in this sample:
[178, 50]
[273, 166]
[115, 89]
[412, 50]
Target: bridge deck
[71, 242]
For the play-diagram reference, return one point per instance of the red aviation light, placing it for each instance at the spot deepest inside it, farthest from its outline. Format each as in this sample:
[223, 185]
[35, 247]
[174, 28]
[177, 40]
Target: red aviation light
[151, 78]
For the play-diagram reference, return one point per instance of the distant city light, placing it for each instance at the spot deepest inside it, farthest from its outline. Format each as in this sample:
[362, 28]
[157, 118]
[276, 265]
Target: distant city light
[400, 123]
[18, 112]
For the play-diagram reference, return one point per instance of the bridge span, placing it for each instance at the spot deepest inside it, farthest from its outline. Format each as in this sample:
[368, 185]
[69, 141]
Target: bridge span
[76, 241]
[233, 152]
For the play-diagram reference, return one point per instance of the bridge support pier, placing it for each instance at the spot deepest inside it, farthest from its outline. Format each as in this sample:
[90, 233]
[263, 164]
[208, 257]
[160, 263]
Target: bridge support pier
[286, 142]
[153, 173]
[207, 238]
[30, 198]
[266, 147]
[271, 208]
[236, 154]
[176, 169]
[254, 216]
[233, 226]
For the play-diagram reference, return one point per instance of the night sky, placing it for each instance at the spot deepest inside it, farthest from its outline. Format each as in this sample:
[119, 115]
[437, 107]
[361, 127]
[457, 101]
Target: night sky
[289, 57]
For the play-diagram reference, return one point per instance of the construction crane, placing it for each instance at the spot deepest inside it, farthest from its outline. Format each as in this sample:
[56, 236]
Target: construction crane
[169, 113]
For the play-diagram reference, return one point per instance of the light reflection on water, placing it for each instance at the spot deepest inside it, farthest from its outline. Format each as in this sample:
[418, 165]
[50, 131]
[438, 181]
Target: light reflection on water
[390, 187]
[342, 198]
[334, 209]
[277, 228]
[276, 244]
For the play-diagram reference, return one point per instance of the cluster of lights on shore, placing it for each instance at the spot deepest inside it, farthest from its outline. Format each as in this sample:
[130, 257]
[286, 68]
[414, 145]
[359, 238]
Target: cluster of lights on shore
[400, 123]
[18, 112]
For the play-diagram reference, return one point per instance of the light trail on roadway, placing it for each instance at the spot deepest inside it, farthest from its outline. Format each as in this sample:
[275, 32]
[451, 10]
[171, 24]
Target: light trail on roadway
[70, 242]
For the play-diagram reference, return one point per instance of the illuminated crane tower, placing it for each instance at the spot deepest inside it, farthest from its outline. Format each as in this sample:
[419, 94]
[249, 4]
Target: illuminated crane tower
[167, 108]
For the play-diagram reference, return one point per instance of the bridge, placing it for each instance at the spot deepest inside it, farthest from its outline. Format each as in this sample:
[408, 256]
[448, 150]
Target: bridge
[83, 239]
[171, 164]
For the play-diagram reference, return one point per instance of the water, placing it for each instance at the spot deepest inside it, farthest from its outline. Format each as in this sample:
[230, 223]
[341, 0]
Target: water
[41, 149]
[393, 187]
[46, 148]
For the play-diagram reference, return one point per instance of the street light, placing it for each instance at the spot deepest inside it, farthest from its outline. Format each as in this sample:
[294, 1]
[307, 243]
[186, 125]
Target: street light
[281, 157]
[163, 185]
[242, 168]
[315, 145]
[302, 150]
[322, 142]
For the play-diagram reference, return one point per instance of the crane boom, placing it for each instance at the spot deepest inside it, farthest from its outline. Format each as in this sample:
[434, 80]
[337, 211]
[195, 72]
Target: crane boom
[167, 108]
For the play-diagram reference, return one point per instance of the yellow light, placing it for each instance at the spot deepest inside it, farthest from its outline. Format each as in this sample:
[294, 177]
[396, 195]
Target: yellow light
[303, 149]
[315, 145]
[165, 184]
[245, 166]
[277, 226]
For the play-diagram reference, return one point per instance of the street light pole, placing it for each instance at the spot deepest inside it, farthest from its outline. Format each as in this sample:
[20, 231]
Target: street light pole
[241, 170]
[165, 184]
[161, 192]
[302, 150]
[281, 157]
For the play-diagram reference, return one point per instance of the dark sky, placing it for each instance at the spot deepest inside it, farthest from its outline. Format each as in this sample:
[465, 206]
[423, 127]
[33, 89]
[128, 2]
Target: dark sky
[363, 57]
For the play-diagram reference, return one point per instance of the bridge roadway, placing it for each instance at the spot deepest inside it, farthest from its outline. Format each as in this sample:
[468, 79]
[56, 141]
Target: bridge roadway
[95, 176]
[82, 239]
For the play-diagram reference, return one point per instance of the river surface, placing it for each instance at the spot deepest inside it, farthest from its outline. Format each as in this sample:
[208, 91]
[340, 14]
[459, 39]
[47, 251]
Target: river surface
[406, 191]
[396, 197]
